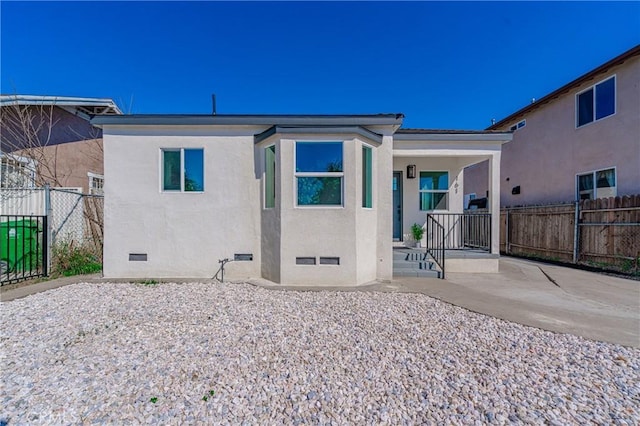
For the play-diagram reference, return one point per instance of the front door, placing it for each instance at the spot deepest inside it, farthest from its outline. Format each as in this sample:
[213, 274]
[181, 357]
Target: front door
[397, 206]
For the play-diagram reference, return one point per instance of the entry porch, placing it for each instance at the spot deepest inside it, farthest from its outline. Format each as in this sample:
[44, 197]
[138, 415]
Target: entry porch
[429, 207]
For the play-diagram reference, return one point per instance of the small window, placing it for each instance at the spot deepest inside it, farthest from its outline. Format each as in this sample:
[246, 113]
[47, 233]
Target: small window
[319, 173]
[519, 125]
[96, 184]
[367, 177]
[597, 184]
[596, 103]
[270, 176]
[434, 190]
[183, 170]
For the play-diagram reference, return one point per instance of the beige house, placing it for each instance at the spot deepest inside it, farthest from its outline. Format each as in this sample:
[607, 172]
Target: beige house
[294, 199]
[49, 140]
[581, 141]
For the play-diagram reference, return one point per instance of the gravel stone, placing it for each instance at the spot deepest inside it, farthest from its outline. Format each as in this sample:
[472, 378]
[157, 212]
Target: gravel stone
[101, 353]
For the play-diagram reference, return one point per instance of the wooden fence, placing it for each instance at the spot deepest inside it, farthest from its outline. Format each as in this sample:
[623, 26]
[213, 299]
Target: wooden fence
[602, 233]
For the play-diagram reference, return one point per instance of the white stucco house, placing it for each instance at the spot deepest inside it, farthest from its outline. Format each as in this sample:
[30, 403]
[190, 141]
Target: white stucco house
[294, 199]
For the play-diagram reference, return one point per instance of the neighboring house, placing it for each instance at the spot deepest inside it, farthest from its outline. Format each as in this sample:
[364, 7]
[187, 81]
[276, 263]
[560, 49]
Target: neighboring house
[295, 199]
[49, 140]
[581, 141]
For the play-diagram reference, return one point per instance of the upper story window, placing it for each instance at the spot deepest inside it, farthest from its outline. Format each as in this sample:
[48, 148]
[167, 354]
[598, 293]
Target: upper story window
[96, 184]
[519, 125]
[183, 170]
[597, 102]
[434, 190]
[319, 173]
[17, 172]
[597, 184]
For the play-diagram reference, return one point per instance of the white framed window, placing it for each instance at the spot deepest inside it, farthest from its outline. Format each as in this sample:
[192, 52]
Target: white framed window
[17, 171]
[319, 173]
[434, 190]
[96, 184]
[597, 184]
[596, 102]
[518, 125]
[270, 177]
[182, 170]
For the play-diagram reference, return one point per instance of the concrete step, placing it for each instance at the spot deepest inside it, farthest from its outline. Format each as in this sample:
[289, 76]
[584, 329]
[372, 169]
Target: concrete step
[412, 265]
[416, 273]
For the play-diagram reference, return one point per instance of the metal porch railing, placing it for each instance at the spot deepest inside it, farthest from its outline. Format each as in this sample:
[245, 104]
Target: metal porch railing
[465, 231]
[435, 239]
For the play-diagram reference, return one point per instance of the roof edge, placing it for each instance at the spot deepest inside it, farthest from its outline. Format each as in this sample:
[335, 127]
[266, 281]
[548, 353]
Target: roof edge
[618, 60]
[242, 119]
[357, 130]
[69, 101]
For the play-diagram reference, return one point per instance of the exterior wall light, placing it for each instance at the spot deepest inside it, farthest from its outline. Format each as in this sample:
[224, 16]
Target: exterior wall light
[411, 171]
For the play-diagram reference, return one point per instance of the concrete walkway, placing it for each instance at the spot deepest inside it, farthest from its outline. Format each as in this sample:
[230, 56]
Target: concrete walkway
[550, 297]
[554, 298]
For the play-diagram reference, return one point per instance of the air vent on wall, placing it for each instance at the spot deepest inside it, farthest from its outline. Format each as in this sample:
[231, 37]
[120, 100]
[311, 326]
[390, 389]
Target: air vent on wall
[242, 257]
[137, 257]
[305, 260]
[329, 260]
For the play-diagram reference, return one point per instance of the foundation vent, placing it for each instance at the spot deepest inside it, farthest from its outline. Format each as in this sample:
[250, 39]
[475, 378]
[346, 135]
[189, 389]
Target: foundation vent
[137, 257]
[243, 257]
[329, 260]
[305, 260]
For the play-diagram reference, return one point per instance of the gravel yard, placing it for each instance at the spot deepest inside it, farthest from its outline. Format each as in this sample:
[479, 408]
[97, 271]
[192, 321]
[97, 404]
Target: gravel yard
[234, 354]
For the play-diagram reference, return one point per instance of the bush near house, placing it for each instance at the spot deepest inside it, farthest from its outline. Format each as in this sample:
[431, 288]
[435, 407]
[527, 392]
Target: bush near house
[70, 258]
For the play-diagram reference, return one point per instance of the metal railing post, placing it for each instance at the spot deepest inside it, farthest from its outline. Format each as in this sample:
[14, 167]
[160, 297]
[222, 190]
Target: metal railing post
[47, 232]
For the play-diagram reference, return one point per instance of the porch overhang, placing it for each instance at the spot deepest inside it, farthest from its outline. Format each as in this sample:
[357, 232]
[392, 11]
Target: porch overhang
[319, 130]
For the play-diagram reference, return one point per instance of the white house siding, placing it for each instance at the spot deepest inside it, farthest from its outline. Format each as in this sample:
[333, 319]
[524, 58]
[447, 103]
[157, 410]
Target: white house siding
[183, 234]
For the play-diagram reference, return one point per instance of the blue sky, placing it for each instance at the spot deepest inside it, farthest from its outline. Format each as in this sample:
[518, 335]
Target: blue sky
[442, 64]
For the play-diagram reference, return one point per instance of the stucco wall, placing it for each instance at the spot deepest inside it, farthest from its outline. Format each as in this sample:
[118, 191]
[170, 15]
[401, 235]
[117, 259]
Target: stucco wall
[67, 164]
[347, 231]
[411, 212]
[183, 234]
[270, 217]
[545, 156]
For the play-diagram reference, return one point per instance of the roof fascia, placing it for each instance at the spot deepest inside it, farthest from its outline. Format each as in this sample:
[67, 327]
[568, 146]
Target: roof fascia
[277, 120]
[618, 60]
[455, 137]
[319, 130]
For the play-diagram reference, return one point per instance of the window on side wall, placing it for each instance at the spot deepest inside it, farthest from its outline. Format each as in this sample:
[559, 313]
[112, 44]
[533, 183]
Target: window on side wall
[319, 173]
[16, 171]
[596, 102]
[96, 184]
[367, 177]
[183, 170]
[597, 184]
[434, 190]
[270, 176]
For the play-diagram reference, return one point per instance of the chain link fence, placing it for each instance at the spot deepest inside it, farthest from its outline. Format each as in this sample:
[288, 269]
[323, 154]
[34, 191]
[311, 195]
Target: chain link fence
[75, 219]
